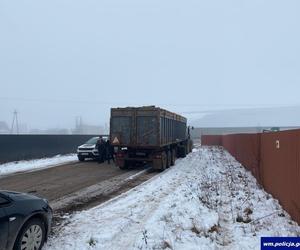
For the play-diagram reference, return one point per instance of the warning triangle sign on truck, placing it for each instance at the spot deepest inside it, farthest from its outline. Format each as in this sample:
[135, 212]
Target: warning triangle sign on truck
[116, 141]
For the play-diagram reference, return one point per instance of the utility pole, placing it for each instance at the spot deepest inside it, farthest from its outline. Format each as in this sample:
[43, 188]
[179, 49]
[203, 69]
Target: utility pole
[15, 122]
[78, 125]
[106, 129]
[81, 125]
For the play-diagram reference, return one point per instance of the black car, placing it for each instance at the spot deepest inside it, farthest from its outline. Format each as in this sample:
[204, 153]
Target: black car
[25, 221]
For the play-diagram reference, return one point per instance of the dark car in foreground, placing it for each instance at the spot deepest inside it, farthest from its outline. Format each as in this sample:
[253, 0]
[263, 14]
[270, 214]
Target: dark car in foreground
[25, 221]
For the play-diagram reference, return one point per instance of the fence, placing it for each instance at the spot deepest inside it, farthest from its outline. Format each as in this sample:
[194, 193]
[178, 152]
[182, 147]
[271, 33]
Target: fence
[273, 158]
[211, 140]
[22, 147]
[246, 149]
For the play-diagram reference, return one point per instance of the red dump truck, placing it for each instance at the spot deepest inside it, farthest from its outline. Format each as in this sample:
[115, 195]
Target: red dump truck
[148, 135]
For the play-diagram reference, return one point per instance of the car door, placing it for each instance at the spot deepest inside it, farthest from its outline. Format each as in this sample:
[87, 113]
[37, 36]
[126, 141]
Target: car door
[3, 223]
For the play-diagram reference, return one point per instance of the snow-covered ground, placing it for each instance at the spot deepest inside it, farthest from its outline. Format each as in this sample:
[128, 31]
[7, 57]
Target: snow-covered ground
[206, 201]
[31, 165]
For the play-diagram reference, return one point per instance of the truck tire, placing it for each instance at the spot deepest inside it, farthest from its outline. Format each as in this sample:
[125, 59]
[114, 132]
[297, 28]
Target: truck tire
[173, 157]
[190, 146]
[169, 158]
[182, 151]
[164, 161]
[125, 166]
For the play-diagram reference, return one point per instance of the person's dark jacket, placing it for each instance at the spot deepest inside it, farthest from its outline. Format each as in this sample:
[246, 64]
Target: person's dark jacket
[107, 150]
[101, 147]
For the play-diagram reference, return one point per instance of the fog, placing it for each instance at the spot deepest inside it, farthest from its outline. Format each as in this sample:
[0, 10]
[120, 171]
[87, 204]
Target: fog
[65, 59]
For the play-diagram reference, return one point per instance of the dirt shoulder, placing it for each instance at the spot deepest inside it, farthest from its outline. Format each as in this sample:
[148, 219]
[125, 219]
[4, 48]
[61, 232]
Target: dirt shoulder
[56, 182]
[76, 186]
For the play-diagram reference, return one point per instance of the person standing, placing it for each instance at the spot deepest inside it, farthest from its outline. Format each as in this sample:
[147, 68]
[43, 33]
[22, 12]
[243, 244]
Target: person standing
[112, 152]
[101, 150]
[108, 151]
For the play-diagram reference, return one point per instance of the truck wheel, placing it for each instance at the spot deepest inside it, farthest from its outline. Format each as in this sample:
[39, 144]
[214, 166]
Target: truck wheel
[169, 158]
[173, 157]
[182, 151]
[125, 166]
[164, 161]
[190, 146]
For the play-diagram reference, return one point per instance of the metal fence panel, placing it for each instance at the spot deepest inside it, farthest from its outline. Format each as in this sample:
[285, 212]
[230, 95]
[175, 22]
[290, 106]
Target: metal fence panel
[280, 160]
[273, 158]
[211, 140]
[246, 149]
[23, 147]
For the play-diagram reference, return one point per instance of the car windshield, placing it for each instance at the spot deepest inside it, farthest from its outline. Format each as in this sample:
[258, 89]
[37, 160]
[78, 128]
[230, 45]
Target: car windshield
[92, 141]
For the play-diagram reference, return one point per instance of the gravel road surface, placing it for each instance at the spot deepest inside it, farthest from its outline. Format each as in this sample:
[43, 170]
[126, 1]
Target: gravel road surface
[76, 186]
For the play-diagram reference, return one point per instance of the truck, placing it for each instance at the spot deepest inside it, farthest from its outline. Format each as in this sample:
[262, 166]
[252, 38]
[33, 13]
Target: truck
[148, 135]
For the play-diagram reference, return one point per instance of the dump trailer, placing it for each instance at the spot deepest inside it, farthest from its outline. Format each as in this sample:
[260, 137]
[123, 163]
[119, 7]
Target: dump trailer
[148, 135]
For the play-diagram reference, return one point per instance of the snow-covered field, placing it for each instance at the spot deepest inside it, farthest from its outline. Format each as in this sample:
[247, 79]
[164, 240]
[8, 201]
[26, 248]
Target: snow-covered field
[206, 201]
[31, 165]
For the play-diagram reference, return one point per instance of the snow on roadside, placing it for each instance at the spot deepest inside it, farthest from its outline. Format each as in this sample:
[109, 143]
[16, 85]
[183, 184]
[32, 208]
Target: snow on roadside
[206, 201]
[31, 165]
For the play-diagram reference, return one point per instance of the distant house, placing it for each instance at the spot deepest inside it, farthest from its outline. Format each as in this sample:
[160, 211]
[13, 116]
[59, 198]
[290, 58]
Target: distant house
[4, 128]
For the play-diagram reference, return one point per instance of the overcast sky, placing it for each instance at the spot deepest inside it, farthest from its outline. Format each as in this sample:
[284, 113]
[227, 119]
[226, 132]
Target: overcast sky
[61, 59]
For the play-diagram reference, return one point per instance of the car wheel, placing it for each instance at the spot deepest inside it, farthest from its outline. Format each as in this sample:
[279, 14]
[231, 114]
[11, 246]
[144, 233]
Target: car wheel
[31, 236]
[80, 158]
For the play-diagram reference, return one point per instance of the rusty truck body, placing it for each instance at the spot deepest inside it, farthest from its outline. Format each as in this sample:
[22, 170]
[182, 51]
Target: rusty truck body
[148, 135]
